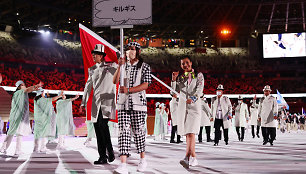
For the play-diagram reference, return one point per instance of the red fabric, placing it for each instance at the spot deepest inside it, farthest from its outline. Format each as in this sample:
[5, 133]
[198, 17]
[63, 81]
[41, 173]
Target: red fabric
[88, 43]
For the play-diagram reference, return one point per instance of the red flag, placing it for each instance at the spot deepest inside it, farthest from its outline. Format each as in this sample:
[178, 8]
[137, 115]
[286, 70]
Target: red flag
[88, 41]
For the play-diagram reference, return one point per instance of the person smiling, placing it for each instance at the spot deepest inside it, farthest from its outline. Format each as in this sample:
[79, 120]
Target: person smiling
[190, 85]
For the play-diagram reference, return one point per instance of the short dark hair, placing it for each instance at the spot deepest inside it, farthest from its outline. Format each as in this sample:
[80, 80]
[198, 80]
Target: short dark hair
[185, 56]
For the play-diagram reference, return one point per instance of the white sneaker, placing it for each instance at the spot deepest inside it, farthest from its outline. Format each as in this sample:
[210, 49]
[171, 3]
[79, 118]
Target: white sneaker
[87, 143]
[122, 169]
[3, 151]
[193, 161]
[43, 150]
[18, 153]
[142, 165]
[59, 147]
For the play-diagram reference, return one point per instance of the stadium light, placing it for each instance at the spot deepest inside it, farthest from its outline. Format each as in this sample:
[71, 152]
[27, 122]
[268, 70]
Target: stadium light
[225, 31]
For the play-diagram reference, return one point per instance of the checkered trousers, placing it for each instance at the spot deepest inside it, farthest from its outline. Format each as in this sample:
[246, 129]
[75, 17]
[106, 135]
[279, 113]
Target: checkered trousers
[131, 120]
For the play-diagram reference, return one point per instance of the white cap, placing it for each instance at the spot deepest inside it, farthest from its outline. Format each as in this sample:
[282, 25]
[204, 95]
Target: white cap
[220, 87]
[39, 91]
[19, 83]
[267, 88]
[240, 97]
[59, 93]
[157, 104]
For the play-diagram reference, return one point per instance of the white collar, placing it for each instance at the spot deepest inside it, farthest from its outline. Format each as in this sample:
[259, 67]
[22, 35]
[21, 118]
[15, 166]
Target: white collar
[267, 96]
[135, 63]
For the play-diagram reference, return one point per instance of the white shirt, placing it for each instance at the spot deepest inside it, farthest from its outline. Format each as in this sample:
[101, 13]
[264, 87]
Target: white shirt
[219, 110]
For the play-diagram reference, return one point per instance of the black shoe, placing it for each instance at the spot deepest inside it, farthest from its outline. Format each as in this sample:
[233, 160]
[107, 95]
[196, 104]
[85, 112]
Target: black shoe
[101, 161]
[172, 141]
[253, 136]
[185, 164]
[226, 143]
[265, 142]
[179, 142]
[200, 141]
[258, 136]
[216, 144]
[271, 143]
[111, 157]
[241, 140]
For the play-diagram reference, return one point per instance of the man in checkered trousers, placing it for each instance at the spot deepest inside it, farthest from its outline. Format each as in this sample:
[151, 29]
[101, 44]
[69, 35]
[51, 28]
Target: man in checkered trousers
[132, 104]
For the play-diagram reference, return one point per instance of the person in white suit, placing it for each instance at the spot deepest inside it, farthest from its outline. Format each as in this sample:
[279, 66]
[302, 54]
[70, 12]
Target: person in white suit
[191, 85]
[221, 109]
[103, 109]
[267, 113]
[173, 110]
[241, 118]
[206, 119]
[254, 117]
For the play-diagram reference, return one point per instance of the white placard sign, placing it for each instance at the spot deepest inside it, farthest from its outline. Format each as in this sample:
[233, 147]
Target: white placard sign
[121, 12]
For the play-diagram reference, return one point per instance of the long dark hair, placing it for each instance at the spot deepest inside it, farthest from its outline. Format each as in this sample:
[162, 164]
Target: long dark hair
[140, 59]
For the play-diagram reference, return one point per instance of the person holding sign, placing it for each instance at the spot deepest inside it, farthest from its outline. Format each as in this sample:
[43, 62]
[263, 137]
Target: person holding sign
[103, 102]
[132, 104]
[191, 85]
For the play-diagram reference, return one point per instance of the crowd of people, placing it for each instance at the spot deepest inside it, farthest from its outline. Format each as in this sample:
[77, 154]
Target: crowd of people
[54, 52]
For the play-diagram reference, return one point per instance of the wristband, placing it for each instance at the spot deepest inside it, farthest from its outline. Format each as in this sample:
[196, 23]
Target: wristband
[128, 90]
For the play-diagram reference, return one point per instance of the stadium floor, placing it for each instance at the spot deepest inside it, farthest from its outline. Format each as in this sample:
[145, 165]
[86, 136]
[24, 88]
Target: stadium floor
[288, 155]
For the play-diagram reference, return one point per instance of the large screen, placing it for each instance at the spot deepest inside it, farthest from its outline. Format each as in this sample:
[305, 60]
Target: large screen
[284, 45]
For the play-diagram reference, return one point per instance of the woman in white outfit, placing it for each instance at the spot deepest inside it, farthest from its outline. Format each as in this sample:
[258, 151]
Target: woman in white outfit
[190, 85]
[19, 116]
[45, 120]
[64, 120]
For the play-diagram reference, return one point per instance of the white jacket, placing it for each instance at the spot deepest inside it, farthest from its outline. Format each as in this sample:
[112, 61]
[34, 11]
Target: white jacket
[173, 109]
[266, 111]
[206, 113]
[241, 115]
[189, 115]
[226, 108]
[100, 77]
[254, 113]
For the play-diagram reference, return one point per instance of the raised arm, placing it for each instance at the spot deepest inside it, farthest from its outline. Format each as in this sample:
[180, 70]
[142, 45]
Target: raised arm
[76, 97]
[34, 88]
[57, 97]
